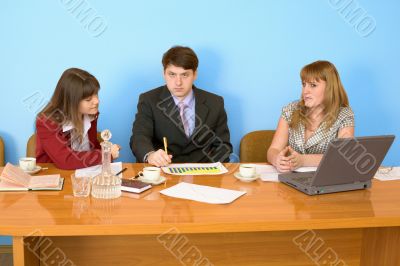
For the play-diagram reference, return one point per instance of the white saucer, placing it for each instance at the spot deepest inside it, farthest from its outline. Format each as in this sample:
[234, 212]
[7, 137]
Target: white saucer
[153, 182]
[246, 179]
[34, 171]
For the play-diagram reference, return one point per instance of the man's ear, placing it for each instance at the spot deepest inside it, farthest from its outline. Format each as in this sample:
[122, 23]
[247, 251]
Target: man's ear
[195, 75]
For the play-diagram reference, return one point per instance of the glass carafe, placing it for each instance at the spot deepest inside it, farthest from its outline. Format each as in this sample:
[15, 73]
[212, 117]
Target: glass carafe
[106, 185]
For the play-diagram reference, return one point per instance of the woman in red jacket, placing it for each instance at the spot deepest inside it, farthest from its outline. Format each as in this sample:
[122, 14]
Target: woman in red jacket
[67, 127]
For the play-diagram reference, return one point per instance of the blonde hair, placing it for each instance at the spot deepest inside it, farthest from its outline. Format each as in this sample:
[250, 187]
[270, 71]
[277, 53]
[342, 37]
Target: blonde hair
[335, 96]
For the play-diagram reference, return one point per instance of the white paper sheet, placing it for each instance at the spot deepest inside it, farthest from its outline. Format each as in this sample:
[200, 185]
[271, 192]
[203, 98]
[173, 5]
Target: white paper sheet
[195, 169]
[96, 170]
[267, 173]
[387, 174]
[306, 169]
[200, 193]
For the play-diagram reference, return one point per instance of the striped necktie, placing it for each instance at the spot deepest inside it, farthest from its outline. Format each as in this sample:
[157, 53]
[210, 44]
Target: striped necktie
[184, 116]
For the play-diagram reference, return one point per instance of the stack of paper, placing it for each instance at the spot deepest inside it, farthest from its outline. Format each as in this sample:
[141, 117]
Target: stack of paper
[195, 169]
[96, 170]
[202, 193]
[387, 174]
[269, 172]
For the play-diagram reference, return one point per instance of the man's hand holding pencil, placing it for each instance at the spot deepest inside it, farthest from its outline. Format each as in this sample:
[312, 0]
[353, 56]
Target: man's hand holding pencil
[161, 157]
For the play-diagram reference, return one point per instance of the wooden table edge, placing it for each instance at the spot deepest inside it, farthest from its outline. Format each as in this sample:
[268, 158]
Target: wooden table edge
[146, 229]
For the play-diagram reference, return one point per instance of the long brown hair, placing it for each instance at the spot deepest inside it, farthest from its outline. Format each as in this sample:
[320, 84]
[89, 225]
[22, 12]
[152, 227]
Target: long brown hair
[74, 85]
[335, 96]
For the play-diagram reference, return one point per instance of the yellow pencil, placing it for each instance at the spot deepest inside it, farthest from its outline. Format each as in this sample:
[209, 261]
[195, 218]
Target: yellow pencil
[165, 145]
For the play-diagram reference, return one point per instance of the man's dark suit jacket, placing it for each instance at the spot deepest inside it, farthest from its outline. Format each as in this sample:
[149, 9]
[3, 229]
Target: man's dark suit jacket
[159, 117]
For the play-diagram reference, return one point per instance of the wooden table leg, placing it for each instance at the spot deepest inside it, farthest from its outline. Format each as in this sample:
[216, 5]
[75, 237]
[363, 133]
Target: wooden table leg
[22, 255]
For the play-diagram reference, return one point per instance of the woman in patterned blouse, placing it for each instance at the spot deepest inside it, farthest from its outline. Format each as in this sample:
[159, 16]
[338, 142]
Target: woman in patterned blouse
[307, 126]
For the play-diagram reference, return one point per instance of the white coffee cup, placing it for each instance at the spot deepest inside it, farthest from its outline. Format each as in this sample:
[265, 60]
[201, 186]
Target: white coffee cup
[247, 170]
[27, 163]
[150, 173]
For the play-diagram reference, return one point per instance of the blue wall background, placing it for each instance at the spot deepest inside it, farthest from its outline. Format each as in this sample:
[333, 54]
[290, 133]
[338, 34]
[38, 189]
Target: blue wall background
[250, 52]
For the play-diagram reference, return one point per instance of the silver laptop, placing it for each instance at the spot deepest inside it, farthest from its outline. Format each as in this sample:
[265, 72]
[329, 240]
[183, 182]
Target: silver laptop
[348, 164]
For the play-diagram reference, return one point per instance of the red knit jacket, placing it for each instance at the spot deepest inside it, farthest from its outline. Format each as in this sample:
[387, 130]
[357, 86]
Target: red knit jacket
[54, 146]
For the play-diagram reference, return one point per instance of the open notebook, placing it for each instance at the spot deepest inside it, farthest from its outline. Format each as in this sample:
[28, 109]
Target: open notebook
[14, 178]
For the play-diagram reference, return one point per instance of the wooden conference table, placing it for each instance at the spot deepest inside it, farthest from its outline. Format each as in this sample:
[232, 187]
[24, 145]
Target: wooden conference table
[272, 224]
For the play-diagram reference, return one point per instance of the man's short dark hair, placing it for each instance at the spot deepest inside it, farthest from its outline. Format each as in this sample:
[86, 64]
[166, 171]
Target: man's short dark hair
[181, 56]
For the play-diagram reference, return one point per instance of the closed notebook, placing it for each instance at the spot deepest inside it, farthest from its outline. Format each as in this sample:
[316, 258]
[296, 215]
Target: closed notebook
[14, 178]
[134, 186]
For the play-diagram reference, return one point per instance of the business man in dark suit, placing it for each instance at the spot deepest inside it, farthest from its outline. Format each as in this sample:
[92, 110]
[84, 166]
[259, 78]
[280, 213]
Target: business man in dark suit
[193, 121]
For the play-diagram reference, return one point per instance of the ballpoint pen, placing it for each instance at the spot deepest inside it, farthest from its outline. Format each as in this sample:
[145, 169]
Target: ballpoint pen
[120, 172]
